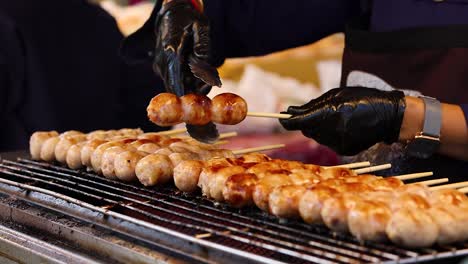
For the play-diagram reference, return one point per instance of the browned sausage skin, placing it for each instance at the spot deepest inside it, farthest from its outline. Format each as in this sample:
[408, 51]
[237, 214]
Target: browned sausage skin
[228, 109]
[196, 109]
[165, 109]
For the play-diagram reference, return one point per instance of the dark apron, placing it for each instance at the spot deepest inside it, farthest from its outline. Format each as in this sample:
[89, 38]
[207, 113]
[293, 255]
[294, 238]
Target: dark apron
[432, 61]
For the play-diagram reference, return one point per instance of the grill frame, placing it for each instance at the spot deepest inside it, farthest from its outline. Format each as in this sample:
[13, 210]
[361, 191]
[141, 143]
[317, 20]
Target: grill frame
[263, 231]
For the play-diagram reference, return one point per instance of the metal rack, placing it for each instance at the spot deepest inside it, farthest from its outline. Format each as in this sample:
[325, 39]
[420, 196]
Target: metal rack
[192, 226]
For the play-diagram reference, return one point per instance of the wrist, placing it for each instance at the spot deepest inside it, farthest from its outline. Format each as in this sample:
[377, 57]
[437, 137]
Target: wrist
[413, 118]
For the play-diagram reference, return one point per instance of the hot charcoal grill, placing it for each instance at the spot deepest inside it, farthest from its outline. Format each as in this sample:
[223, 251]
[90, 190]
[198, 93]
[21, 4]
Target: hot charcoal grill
[127, 222]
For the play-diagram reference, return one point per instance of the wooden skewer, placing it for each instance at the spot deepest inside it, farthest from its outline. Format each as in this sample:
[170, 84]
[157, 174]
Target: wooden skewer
[221, 136]
[351, 165]
[172, 132]
[227, 135]
[373, 168]
[269, 115]
[414, 175]
[432, 182]
[221, 142]
[257, 149]
[452, 185]
[463, 190]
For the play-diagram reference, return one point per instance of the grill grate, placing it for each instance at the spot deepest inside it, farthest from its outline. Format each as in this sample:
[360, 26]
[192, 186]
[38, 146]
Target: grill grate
[248, 233]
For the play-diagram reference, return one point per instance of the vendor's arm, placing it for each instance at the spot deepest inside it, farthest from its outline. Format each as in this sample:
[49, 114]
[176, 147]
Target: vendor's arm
[352, 119]
[454, 133]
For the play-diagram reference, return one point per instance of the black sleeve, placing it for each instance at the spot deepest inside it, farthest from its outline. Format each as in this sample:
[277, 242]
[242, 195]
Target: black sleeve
[12, 70]
[256, 27]
[241, 28]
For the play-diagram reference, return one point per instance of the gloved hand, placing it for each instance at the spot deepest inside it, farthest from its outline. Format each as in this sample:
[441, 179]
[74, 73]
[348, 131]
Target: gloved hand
[182, 49]
[350, 120]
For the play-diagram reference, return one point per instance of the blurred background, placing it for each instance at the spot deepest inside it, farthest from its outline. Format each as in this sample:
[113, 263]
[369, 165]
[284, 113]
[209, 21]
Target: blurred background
[62, 71]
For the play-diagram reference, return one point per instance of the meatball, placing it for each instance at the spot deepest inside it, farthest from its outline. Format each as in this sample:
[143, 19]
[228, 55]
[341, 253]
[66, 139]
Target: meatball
[149, 147]
[107, 161]
[165, 109]
[186, 175]
[125, 165]
[265, 186]
[48, 149]
[239, 188]
[37, 140]
[61, 149]
[74, 156]
[311, 202]
[335, 211]
[228, 109]
[284, 200]
[87, 150]
[96, 157]
[368, 220]
[450, 226]
[217, 183]
[412, 228]
[153, 169]
[196, 109]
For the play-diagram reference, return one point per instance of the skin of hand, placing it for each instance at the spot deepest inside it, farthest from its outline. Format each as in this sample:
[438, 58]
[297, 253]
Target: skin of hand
[182, 49]
[351, 119]
[454, 131]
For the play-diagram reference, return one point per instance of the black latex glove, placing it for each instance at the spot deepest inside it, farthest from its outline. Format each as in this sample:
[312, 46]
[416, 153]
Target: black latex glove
[350, 120]
[182, 49]
[177, 39]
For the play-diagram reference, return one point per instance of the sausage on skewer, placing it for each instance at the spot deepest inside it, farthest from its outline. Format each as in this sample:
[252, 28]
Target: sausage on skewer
[37, 141]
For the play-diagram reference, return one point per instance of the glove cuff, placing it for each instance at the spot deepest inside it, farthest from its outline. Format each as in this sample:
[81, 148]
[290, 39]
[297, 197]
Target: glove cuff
[398, 98]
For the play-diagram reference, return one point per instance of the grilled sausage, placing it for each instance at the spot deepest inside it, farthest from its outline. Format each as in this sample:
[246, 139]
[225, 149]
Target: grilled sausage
[65, 142]
[368, 220]
[196, 109]
[153, 169]
[108, 159]
[266, 184]
[311, 202]
[87, 150]
[217, 183]
[73, 158]
[186, 175]
[413, 228]
[96, 157]
[239, 188]
[284, 200]
[125, 164]
[228, 109]
[165, 109]
[37, 140]
[48, 149]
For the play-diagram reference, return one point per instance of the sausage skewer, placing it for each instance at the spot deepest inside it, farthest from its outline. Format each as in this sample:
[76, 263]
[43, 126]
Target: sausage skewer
[167, 109]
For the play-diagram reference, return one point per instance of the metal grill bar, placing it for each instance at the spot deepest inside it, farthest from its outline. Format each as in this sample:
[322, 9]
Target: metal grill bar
[196, 219]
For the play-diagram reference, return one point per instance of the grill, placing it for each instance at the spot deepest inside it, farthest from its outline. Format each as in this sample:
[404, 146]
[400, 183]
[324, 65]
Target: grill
[190, 227]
